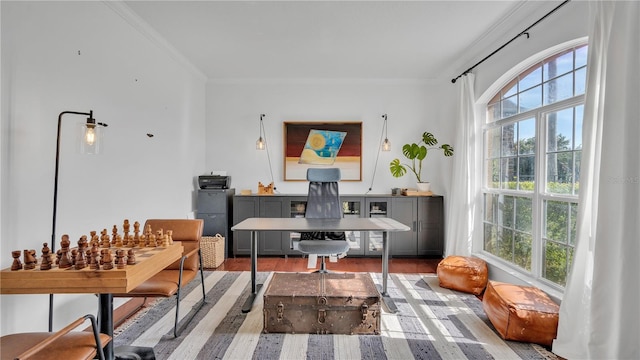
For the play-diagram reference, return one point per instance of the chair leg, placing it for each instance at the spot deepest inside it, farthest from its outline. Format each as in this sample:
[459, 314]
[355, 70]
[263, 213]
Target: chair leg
[323, 266]
[204, 295]
[177, 331]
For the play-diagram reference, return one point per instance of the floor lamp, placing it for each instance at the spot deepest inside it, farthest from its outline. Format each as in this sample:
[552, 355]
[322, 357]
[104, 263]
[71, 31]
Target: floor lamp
[90, 144]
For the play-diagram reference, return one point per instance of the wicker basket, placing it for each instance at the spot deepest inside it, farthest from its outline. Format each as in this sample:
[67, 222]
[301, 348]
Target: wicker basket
[212, 251]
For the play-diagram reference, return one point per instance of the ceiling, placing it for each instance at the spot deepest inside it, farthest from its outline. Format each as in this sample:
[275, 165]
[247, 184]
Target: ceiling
[332, 39]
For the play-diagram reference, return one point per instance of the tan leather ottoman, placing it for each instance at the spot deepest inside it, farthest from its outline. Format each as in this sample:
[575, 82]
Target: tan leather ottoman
[463, 273]
[521, 313]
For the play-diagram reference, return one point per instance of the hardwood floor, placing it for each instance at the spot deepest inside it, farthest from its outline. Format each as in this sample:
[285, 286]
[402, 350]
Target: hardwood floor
[347, 264]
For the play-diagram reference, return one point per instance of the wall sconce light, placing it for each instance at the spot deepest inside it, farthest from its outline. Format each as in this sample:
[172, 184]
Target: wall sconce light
[261, 143]
[386, 144]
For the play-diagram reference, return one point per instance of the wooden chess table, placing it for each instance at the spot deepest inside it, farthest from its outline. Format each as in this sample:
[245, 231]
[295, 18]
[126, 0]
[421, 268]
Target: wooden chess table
[149, 261]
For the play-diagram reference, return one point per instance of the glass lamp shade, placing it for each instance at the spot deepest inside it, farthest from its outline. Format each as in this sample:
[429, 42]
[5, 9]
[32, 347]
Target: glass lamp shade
[386, 145]
[90, 138]
[260, 144]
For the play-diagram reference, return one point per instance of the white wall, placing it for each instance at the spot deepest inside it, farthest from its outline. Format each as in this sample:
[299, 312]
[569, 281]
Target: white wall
[82, 56]
[568, 23]
[234, 108]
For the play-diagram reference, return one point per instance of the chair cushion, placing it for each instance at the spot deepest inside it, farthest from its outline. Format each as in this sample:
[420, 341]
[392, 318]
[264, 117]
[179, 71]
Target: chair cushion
[74, 345]
[323, 247]
[463, 273]
[323, 174]
[163, 284]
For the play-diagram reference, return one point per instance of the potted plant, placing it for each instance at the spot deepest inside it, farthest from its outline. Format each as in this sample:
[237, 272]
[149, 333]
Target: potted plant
[416, 153]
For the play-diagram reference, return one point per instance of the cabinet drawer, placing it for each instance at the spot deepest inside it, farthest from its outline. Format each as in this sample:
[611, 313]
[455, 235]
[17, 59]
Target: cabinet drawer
[212, 201]
[214, 224]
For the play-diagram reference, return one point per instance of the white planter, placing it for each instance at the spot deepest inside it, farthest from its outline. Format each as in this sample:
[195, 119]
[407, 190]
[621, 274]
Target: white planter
[424, 186]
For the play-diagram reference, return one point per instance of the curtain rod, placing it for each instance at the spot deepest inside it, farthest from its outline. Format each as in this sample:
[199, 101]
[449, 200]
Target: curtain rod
[523, 32]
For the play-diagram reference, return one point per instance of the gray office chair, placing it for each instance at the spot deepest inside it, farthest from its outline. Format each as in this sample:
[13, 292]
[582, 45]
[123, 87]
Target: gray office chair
[323, 202]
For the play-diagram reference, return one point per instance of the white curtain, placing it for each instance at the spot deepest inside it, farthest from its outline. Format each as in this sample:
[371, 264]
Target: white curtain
[461, 204]
[599, 314]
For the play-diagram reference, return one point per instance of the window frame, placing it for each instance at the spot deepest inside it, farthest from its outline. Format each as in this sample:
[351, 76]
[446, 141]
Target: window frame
[540, 193]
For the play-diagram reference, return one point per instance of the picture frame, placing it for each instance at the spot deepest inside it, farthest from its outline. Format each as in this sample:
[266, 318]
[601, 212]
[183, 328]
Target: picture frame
[318, 144]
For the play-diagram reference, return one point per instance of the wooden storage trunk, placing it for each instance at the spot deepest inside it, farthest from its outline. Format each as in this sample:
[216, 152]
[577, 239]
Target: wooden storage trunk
[320, 303]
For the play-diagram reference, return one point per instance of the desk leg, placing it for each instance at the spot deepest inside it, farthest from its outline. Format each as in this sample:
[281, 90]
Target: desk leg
[254, 269]
[385, 273]
[106, 321]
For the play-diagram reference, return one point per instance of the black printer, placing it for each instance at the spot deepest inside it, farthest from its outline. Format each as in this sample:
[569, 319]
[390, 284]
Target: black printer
[214, 181]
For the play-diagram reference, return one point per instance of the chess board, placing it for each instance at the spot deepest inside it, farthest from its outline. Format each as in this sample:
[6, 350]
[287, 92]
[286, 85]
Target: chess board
[149, 261]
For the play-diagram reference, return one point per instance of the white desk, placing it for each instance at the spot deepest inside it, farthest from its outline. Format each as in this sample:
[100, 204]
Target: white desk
[255, 225]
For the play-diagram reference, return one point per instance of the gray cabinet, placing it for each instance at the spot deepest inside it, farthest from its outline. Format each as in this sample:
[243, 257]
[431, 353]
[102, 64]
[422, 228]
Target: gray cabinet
[405, 210]
[422, 214]
[431, 225]
[214, 207]
[273, 242]
[244, 207]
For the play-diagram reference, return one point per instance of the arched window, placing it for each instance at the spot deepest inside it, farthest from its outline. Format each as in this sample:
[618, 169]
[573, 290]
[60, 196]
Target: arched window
[532, 144]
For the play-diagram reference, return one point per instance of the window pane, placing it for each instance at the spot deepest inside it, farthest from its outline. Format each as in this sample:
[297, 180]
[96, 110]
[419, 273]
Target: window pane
[493, 173]
[578, 128]
[560, 172]
[581, 81]
[530, 99]
[524, 214]
[493, 141]
[491, 208]
[493, 112]
[556, 217]
[558, 89]
[491, 238]
[509, 140]
[526, 175]
[533, 78]
[505, 245]
[573, 223]
[581, 56]
[558, 65]
[506, 214]
[555, 263]
[560, 130]
[527, 136]
[510, 89]
[509, 173]
[509, 106]
[522, 250]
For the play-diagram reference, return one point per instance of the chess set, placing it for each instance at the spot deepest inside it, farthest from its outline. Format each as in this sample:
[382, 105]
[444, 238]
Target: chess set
[97, 252]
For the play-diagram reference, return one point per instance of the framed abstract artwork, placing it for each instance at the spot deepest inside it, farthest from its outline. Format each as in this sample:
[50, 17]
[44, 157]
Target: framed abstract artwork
[322, 144]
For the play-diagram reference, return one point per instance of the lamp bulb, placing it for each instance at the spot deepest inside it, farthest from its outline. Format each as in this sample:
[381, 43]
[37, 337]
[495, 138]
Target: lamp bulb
[90, 136]
[386, 145]
[260, 144]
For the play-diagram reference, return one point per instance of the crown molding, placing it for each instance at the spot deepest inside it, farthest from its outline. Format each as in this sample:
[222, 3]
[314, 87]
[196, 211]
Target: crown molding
[120, 8]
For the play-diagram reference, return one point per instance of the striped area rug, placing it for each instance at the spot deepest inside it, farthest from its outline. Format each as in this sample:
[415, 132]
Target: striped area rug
[431, 323]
